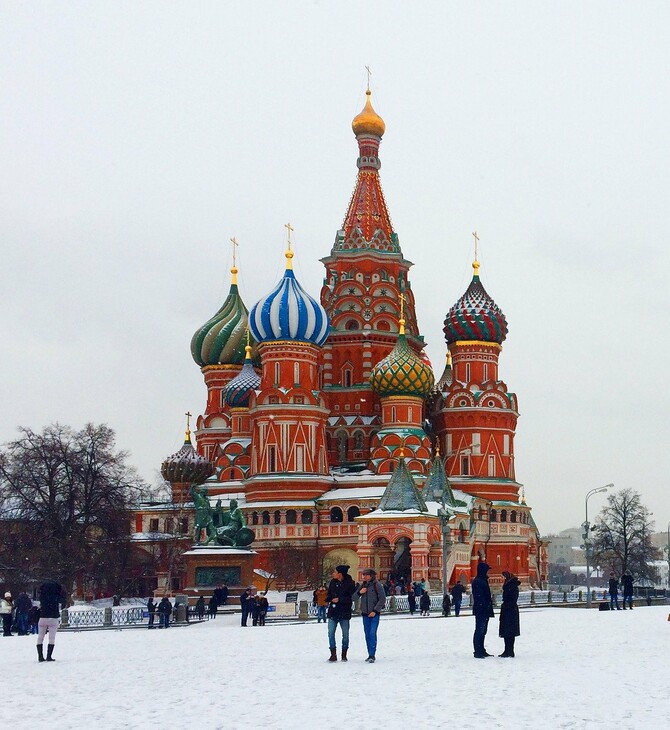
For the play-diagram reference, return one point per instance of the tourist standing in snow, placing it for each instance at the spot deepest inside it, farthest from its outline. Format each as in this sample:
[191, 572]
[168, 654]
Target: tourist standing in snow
[7, 611]
[164, 612]
[509, 613]
[482, 609]
[151, 608]
[446, 604]
[340, 591]
[34, 619]
[50, 598]
[246, 601]
[263, 606]
[411, 599]
[627, 585]
[213, 607]
[200, 607]
[321, 603]
[424, 603]
[372, 602]
[614, 592]
[23, 606]
[457, 597]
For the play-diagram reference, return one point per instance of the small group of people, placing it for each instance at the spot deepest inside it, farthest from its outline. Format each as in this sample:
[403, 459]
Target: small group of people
[255, 605]
[163, 610]
[482, 609]
[626, 585]
[20, 615]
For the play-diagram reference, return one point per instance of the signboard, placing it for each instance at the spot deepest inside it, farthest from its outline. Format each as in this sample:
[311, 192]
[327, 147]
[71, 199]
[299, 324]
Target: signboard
[229, 574]
[292, 597]
[282, 610]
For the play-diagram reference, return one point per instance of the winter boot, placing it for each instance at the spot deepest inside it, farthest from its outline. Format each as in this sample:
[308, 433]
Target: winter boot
[40, 653]
[50, 651]
[333, 655]
[344, 655]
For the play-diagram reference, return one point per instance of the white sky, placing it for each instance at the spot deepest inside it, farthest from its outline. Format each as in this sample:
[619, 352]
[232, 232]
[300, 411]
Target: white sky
[137, 138]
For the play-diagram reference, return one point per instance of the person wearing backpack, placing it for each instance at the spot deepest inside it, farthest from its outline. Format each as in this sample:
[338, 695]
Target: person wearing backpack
[372, 602]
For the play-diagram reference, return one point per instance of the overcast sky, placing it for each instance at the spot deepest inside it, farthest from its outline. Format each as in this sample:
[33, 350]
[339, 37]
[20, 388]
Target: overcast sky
[137, 138]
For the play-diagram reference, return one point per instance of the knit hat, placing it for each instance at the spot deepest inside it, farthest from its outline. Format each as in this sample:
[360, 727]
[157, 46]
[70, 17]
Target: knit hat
[344, 569]
[506, 574]
[369, 571]
[8, 595]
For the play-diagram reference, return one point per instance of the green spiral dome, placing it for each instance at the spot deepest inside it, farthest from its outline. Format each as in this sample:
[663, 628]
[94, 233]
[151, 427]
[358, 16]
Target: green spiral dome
[402, 372]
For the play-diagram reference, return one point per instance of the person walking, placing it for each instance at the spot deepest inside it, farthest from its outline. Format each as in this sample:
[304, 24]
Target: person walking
[340, 591]
[263, 606]
[614, 592]
[457, 592]
[246, 603]
[627, 585]
[508, 628]
[446, 604]
[151, 608]
[23, 606]
[213, 607]
[482, 609]
[372, 602]
[411, 599]
[50, 598]
[200, 607]
[7, 613]
[424, 603]
[321, 602]
[164, 612]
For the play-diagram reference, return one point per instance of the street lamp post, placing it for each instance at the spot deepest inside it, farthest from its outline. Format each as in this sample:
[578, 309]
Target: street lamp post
[587, 538]
[667, 554]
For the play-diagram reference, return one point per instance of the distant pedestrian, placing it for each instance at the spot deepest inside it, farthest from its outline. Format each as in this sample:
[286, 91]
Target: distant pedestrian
[33, 619]
[151, 608]
[23, 606]
[164, 612]
[482, 609]
[446, 604]
[340, 591]
[509, 613]
[457, 592]
[246, 604]
[7, 612]
[614, 592]
[411, 599]
[372, 603]
[424, 603]
[320, 600]
[213, 607]
[200, 607]
[627, 586]
[263, 606]
[50, 599]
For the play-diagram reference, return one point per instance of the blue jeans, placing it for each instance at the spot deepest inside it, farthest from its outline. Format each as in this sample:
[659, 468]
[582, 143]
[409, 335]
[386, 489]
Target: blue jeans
[320, 614]
[614, 601]
[344, 627]
[457, 606]
[481, 626]
[370, 626]
[164, 620]
[629, 599]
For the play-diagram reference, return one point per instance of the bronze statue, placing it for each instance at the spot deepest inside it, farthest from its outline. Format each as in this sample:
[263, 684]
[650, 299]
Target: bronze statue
[203, 515]
[231, 530]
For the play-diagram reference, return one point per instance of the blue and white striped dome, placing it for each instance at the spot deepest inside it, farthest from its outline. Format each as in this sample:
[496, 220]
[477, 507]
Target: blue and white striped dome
[289, 313]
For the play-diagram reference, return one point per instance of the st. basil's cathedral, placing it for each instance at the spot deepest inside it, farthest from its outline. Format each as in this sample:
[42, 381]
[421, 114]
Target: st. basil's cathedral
[325, 423]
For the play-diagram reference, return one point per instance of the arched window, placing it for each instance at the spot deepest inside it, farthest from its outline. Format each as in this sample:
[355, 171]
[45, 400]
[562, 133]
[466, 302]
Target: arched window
[352, 513]
[291, 517]
[359, 441]
[512, 517]
[277, 373]
[347, 377]
[307, 517]
[503, 515]
[254, 518]
[494, 515]
[296, 373]
[461, 533]
[336, 514]
[351, 324]
[277, 517]
[341, 437]
[265, 518]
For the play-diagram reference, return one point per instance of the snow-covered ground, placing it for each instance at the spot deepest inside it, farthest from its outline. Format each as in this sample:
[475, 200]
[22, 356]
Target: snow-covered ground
[574, 669]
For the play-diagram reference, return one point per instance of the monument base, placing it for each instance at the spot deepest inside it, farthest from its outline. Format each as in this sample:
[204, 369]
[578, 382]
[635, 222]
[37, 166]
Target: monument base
[211, 566]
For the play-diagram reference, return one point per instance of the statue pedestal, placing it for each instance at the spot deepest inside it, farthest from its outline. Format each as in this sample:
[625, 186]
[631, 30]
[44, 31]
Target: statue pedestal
[210, 566]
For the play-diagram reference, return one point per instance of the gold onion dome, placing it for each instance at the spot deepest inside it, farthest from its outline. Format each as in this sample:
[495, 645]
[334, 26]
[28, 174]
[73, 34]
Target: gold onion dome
[402, 372]
[368, 121]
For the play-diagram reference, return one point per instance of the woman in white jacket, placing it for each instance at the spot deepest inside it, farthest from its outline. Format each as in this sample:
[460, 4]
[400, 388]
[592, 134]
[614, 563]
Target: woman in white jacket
[7, 611]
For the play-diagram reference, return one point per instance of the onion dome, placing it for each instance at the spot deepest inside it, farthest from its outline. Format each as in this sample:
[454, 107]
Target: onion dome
[186, 466]
[475, 316]
[221, 340]
[402, 372]
[368, 121]
[401, 493]
[289, 313]
[447, 377]
[239, 389]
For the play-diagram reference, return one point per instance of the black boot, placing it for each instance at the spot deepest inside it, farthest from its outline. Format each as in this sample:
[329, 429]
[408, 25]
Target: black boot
[40, 653]
[333, 655]
[344, 655]
[50, 651]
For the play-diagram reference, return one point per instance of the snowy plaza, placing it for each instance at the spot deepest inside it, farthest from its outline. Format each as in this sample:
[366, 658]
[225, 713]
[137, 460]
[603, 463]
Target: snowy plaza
[574, 669]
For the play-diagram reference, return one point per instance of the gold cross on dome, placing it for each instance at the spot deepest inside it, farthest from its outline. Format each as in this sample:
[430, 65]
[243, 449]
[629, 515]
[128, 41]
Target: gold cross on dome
[402, 305]
[289, 230]
[367, 68]
[476, 237]
[233, 240]
[188, 415]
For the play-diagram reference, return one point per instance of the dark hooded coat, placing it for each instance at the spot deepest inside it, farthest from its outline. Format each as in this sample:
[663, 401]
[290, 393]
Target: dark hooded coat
[343, 590]
[482, 602]
[509, 610]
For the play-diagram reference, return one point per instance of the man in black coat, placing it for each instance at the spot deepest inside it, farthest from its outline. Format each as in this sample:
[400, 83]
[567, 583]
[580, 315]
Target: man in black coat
[457, 597]
[246, 601]
[340, 591]
[614, 593]
[627, 585]
[482, 609]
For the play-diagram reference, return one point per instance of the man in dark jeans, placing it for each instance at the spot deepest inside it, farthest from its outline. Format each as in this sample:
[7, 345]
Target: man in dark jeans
[246, 601]
[482, 609]
[614, 593]
[457, 596]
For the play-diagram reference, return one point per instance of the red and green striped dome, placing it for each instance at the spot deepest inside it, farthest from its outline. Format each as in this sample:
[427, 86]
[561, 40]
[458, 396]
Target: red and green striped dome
[402, 372]
[475, 316]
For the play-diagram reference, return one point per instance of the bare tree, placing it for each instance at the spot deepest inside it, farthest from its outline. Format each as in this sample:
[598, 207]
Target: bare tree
[294, 566]
[66, 494]
[623, 532]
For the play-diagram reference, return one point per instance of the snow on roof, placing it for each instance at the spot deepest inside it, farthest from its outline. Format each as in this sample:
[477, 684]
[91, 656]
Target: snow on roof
[359, 493]
[395, 514]
[152, 536]
[280, 503]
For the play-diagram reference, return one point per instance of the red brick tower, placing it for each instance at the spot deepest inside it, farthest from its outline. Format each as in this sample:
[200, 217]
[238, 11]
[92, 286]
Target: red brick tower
[365, 274]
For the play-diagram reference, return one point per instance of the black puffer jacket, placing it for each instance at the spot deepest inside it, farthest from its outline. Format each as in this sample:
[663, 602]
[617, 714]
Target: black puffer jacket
[343, 590]
[482, 603]
[509, 610]
[50, 597]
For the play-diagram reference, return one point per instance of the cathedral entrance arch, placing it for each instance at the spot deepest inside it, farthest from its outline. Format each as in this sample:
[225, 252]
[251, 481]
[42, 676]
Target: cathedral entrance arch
[402, 559]
[340, 556]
